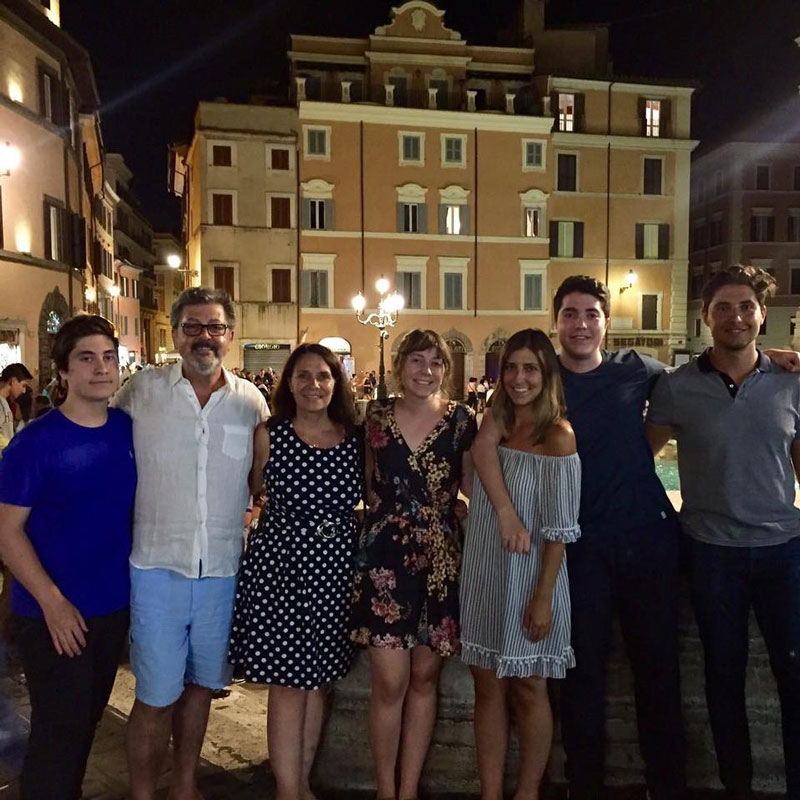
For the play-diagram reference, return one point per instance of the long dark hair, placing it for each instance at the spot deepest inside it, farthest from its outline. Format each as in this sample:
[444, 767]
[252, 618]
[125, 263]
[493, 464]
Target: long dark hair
[549, 404]
[341, 408]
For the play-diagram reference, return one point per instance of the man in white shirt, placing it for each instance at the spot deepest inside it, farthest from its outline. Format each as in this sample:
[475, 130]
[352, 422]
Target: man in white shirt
[13, 382]
[193, 426]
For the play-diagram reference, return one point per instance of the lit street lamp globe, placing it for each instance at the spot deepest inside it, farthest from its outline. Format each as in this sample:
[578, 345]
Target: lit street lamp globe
[173, 260]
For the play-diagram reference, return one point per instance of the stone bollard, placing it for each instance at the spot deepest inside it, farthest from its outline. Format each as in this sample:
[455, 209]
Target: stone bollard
[344, 761]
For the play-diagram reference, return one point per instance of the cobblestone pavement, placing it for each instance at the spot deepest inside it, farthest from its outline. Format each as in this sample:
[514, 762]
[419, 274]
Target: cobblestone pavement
[234, 757]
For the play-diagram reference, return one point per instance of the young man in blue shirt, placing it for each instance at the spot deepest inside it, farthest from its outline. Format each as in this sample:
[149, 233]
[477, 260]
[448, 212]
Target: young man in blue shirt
[67, 484]
[626, 561]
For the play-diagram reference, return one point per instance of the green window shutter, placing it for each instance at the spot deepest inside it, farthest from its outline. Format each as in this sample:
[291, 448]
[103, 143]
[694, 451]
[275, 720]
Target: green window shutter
[553, 238]
[329, 226]
[465, 220]
[400, 217]
[663, 240]
[577, 242]
[422, 217]
[442, 218]
[306, 213]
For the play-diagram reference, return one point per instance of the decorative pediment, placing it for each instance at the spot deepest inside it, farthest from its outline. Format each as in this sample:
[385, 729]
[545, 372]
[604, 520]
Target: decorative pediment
[317, 189]
[411, 193]
[454, 194]
[533, 196]
[418, 20]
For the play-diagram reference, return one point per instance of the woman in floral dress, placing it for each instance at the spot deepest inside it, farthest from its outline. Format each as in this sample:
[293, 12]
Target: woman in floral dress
[406, 588]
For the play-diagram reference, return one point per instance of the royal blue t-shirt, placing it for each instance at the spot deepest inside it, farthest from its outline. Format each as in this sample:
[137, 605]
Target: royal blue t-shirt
[605, 406]
[79, 483]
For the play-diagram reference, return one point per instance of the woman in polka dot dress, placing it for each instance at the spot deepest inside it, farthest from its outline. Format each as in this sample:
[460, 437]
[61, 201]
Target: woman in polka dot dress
[290, 628]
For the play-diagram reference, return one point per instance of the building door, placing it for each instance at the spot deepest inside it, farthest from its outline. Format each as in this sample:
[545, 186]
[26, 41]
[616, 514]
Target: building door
[457, 378]
[492, 369]
[53, 315]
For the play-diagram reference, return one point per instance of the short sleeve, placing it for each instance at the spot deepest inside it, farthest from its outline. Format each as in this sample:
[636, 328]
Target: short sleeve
[661, 409]
[22, 470]
[123, 399]
[262, 408]
[560, 481]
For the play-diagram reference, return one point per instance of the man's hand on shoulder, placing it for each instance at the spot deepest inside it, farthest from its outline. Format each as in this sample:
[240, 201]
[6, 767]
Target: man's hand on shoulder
[787, 360]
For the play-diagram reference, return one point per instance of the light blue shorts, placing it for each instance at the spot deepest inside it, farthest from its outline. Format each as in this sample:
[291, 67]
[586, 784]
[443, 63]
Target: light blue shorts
[180, 629]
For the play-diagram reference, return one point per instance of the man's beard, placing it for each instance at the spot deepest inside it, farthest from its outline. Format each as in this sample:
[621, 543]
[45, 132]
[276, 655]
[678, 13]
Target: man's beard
[199, 364]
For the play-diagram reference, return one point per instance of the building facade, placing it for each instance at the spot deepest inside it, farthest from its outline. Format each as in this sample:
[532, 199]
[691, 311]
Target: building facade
[135, 260]
[48, 102]
[170, 282]
[477, 178]
[745, 209]
[239, 186]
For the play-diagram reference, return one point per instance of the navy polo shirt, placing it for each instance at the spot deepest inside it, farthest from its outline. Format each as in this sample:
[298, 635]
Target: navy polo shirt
[79, 483]
[606, 406]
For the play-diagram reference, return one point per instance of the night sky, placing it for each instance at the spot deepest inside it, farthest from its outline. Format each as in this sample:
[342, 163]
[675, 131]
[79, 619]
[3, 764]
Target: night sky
[154, 60]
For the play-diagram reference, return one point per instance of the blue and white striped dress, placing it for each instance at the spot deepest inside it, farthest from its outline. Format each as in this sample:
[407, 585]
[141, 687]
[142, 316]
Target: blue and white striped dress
[496, 585]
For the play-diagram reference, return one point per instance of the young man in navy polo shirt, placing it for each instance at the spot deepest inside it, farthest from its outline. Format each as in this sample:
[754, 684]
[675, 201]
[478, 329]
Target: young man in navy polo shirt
[626, 561]
[67, 483]
[736, 417]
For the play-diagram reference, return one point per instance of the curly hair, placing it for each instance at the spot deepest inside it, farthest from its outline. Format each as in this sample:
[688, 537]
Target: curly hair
[757, 279]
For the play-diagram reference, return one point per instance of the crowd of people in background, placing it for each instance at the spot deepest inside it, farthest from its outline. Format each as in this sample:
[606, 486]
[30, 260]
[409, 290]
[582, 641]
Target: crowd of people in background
[560, 474]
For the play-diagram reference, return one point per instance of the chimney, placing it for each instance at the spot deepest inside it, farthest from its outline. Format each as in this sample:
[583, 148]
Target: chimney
[532, 17]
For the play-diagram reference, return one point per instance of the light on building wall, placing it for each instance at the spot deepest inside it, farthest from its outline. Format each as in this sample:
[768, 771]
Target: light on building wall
[9, 159]
[630, 281]
[15, 90]
[382, 285]
[90, 293]
[22, 237]
[173, 260]
[114, 290]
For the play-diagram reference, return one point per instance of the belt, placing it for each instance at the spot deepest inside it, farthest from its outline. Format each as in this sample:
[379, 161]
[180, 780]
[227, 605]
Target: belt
[327, 527]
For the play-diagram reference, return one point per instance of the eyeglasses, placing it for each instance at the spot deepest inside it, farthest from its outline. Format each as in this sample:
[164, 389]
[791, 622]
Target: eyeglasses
[196, 328]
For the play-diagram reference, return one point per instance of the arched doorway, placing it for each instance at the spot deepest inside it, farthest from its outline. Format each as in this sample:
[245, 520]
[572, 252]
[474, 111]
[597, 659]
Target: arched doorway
[53, 315]
[457, 377]
[492, 368]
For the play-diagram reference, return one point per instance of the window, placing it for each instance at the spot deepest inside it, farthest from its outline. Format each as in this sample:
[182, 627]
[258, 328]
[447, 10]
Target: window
[412, 218]
[315, 288]
[762, 177]
[222, 156]
[566, 239]
[453, 290]
[649, 312]
[409, 285]
[316, 215]
[715, 230]
[281, 285]
[762, 226]
[442, 88]
[533, 221]
[652, 117]
[411, 148]
[567, 172]
[317, 142]
[652, 240]
[453, 219]
[223, 279]
[222, 209]
[136, 289]
[454, 150]
[400, 85]
[279, 158]
[48, 83]
[532, 154]
[280, 212]
[53, 231]
[566, 112]
[532, 275]
[793, 225]
[652, 176]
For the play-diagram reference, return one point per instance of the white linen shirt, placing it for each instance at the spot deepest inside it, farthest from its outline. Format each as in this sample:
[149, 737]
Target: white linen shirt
[193, 464]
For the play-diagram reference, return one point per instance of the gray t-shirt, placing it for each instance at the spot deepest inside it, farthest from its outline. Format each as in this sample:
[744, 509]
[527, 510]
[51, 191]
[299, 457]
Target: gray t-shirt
[734, 450]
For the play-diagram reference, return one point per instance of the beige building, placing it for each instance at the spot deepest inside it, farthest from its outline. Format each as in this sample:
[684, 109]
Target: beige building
[238, 180]
[745, 208]
[48, 102]
[170, 282]
[477, 178]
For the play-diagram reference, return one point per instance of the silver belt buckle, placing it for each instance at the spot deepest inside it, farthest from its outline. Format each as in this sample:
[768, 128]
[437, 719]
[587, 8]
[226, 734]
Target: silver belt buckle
[326, 530]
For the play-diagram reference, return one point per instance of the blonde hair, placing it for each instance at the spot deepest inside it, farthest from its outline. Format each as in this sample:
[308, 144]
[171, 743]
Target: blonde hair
[548, 406]
[413, 342]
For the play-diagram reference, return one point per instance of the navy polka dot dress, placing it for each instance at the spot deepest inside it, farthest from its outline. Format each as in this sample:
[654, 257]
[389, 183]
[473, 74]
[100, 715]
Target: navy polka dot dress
[291, 624]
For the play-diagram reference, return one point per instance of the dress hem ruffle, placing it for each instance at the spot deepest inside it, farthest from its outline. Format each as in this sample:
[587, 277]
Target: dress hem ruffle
[542, 666]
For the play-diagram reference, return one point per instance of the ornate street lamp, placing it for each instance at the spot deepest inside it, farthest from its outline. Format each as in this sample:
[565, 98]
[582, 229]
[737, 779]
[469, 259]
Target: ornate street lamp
[389, 306]
[630, 280]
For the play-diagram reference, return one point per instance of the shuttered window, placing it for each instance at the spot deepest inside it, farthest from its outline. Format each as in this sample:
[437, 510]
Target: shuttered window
[222, 209]
[281, 286]
[223, 279]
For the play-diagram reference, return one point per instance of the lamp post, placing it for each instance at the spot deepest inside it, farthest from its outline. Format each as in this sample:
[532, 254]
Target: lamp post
[174, 262]
[389, 306]
[630, 279]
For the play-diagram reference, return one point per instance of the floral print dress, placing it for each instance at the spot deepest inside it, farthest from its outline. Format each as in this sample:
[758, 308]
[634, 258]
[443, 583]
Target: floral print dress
[406, 585]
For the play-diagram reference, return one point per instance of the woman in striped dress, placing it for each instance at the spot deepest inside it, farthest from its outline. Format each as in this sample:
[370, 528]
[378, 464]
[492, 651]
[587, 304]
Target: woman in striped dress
[515, 608]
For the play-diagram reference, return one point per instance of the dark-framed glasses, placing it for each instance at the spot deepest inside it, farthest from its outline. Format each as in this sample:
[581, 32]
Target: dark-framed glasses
[196, 328]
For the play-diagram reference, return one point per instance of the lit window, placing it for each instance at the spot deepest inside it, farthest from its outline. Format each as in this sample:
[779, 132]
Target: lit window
[533, 221]
[453, 220]
[652, 118]
[566, 112]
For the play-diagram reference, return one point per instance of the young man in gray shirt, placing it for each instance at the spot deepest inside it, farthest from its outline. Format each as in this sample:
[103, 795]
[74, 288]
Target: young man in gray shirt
[736, 417]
